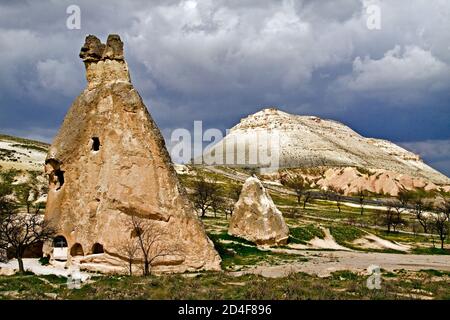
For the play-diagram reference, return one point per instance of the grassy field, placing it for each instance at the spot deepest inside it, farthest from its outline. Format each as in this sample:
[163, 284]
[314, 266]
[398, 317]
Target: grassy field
[340, 285]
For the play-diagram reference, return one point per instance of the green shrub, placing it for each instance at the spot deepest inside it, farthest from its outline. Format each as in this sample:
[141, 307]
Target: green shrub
[44, 261]
[345, 234]
[304, 234]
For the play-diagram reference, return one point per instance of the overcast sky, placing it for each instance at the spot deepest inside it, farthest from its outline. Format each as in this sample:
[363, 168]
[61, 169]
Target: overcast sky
[218, 61]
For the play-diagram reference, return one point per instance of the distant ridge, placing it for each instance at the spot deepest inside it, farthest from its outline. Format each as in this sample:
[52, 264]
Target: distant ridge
[309, 141]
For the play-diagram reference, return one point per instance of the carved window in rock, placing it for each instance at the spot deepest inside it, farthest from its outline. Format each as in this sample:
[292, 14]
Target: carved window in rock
[95, 144]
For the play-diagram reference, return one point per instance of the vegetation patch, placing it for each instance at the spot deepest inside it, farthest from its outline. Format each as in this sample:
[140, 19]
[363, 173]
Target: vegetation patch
[345, 234]
[305, 233]
[431, 250]
[30, 147]
[221, 286]
[243, 253]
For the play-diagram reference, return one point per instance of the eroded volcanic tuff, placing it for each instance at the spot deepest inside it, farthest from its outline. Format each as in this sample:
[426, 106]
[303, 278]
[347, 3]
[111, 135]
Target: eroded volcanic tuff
[109, 162]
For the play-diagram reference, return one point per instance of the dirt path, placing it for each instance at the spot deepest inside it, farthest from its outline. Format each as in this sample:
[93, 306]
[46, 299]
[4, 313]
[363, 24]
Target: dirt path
[323, 263]
[34, 266]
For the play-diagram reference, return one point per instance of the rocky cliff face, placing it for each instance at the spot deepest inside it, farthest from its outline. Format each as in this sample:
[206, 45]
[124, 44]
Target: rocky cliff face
[109, 162]
[308, 142]
[256, 218]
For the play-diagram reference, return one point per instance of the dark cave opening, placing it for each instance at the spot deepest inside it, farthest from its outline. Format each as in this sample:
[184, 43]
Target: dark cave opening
[95, 144]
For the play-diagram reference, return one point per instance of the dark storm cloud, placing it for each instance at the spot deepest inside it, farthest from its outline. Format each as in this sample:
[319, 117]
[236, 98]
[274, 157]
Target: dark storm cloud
[217, 61]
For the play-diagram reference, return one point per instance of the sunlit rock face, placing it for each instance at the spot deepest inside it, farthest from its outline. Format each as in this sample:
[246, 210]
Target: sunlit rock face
[108, 163]
[256, 218]
[300, 141]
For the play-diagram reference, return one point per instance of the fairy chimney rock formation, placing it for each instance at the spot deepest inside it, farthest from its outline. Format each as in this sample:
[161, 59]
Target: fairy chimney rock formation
[109, 163]
[256, 218]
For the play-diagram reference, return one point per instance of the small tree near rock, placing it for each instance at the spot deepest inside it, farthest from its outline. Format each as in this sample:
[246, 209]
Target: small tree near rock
[204, 195]
[20, 231]
[297, 183]
[129, 249]
[152, 240]
[229, 206]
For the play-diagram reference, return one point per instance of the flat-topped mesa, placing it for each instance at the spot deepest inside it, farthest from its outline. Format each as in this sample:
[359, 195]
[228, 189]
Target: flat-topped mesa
[104, 62]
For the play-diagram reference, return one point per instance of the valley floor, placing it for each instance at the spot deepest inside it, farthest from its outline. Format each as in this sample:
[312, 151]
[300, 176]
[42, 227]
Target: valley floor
[339, 285]
[325, 263]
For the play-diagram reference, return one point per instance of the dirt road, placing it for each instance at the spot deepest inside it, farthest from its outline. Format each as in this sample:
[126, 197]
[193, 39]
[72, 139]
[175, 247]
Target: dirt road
[323, 263]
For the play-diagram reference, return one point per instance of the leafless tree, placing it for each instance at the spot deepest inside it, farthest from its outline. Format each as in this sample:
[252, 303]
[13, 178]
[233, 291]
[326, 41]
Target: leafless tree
[152, 241]
[336, 195]
[393, 215]
[204, 195]
[19, 231]
[388, 217]
[129, 249]
[445, 207]
[298, 184]
[362, 194]
[419, 207]
[228, 207]
[216, 203]
[6, 191]
[405, 197]
[307, 196]
[441, 226]
[26, 194]
[235, 192]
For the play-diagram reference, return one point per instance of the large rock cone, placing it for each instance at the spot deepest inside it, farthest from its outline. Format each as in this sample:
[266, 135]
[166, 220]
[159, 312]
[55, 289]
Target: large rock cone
[256, 218]
[109, 163]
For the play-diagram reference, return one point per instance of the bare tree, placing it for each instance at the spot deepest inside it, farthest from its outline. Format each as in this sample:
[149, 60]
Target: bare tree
[216, 203]
[235, 192]
[129, 249]
[393, 215]
[388, 217]
[441, 226]
[152, 241]
[228, 207]
[204, 195]
[26, 194]
[362, 194]
[405, 197]
[6, 192]
[298, 184]
[307, 197]
[397, 207]
[419, 207]
[228, 204]
[336, 195]
[445, 207]
[19, 231]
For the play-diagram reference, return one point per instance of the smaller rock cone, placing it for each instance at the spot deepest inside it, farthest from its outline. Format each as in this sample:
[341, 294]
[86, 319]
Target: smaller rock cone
[256, 218]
